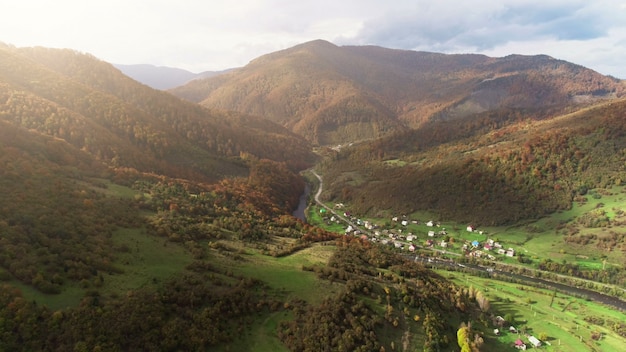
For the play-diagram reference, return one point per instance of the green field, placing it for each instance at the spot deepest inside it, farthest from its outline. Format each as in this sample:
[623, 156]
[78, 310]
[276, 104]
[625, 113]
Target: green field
[286, 280]
[143, 259]
[539, 311]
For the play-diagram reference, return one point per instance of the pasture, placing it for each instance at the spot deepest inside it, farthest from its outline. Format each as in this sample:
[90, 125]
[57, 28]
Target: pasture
[544, 312]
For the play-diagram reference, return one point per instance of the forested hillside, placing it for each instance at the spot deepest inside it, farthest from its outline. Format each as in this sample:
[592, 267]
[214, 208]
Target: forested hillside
[94, 107]
[506, 173]
[335, 95]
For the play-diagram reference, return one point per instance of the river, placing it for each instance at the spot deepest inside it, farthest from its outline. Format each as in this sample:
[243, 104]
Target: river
[300, 212]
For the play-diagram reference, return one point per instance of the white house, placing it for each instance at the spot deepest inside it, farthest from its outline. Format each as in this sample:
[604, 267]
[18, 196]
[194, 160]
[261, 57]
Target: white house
[470, 228]
[430, 223]
[404, 222]
[534, 341]
[431, 233]
[510, 252]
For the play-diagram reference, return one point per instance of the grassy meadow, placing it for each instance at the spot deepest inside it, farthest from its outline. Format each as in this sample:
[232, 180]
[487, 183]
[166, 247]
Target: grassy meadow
[285, 280]
[538, 311]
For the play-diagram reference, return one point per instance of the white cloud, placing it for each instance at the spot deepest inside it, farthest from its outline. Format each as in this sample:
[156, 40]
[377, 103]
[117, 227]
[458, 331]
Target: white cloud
[202, 35]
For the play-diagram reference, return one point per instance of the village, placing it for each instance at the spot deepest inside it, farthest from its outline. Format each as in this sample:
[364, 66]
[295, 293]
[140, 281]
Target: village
[408, 234]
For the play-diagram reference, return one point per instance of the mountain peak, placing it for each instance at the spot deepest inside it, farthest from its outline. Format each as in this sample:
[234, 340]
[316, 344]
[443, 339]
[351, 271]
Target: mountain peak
[339, 94]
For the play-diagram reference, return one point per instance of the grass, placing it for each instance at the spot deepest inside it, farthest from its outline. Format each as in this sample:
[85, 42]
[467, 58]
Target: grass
[285, 275]
[145, 260]
[286, 280]
[561, 318]
[69, 297]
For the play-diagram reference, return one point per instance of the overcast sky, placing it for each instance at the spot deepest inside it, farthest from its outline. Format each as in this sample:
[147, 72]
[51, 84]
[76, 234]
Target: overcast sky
[200, 35]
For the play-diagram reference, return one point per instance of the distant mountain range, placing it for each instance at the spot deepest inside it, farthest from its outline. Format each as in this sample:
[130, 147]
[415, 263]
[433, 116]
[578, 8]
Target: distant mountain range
[331, 94]
[162, 77]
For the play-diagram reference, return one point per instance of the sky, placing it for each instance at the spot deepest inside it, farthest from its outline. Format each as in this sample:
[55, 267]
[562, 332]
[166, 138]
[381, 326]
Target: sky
[212, 35]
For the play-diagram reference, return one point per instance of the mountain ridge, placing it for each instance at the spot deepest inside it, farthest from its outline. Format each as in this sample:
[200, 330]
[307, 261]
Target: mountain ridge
[163, 77]
[370, 91]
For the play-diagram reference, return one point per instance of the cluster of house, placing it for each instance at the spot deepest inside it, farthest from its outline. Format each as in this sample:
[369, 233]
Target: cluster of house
[400, 240]
[519, 344]
[479, 250]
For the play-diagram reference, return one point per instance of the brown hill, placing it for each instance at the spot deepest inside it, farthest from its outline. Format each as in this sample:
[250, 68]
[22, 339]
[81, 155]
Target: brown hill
[332, 94]
[122, 123]
[490, 175]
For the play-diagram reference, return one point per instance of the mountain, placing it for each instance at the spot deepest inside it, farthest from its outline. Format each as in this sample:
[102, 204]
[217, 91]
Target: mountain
[94, 107]
[162, 77]
[331, 94]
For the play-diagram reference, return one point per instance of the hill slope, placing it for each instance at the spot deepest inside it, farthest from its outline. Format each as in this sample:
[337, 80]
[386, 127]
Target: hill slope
[94, 107]
[469, 171]
[332, 94]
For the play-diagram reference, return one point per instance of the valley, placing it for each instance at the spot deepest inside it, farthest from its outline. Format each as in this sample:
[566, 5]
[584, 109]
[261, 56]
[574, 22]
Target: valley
[440, 192]
[498, 275]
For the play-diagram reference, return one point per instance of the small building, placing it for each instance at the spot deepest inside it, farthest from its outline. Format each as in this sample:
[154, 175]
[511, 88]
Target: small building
[443, 244]
[512, 329]
[404, 223]
[520, 345]
[496, 332]
[431, 233]
[412, 247]
[475, 243]
[430, 223]
[470, 228]
[534, 341]
[510, 252]
[501, 251]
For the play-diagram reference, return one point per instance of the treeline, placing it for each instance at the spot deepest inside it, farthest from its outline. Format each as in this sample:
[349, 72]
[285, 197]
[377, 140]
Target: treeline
[611, 275]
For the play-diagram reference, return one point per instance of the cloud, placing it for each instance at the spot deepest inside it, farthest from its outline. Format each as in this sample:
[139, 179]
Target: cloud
[204, 35]
[483, 25]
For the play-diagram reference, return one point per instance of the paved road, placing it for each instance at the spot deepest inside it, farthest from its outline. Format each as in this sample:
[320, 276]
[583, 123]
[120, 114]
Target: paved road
[331, 210]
